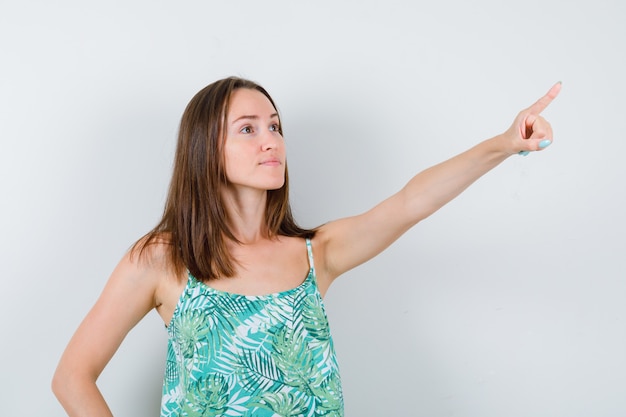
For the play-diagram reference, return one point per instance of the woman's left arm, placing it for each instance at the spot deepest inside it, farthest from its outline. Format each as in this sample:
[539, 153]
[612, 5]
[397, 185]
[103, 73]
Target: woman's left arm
[346, 243]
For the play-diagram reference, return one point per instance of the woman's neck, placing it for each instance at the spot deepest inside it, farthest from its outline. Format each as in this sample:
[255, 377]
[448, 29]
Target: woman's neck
[246, 214]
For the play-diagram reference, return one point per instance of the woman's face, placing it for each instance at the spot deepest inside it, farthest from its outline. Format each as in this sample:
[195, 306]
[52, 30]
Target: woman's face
[254, 150]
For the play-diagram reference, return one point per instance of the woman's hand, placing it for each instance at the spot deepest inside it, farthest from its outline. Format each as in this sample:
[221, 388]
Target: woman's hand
[530, 131]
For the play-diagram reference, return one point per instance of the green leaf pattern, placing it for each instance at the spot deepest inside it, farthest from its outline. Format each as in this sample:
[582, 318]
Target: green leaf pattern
[236, 355]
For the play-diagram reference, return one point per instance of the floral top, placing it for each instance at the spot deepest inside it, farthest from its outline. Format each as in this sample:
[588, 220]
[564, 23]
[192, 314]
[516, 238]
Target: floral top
[237, 355]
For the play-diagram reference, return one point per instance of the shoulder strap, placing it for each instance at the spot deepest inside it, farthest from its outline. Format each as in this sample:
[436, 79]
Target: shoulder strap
[309, 250]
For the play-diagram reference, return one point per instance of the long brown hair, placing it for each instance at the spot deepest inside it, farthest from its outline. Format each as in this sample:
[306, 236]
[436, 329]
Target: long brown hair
[195, 222]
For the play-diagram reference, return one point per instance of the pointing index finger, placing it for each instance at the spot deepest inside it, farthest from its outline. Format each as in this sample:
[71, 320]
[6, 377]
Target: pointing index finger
[541, 104]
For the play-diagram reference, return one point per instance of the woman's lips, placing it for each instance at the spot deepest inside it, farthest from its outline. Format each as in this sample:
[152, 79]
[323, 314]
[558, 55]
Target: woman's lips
[272, 162]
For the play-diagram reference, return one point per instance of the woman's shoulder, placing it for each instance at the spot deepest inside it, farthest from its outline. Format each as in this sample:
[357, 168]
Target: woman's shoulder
[152, 251]
[151, 247]
[151, 259]
[142, 259]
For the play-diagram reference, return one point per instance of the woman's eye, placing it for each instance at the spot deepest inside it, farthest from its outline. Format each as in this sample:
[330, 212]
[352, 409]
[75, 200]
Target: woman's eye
[246, 129]
[275, 128]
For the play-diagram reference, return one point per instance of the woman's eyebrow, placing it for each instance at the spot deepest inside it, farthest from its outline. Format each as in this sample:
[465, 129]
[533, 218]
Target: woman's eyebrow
[252, 117]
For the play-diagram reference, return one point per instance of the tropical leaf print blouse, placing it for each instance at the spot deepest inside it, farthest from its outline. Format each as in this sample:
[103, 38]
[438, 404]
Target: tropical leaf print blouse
[236, 355]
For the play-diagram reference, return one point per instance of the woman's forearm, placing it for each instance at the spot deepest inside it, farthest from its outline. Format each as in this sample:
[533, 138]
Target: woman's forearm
[434, 187]
[79, 396]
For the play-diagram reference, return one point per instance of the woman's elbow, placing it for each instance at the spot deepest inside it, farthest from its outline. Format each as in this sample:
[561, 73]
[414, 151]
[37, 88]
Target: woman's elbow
[66, 382]
[60, 382]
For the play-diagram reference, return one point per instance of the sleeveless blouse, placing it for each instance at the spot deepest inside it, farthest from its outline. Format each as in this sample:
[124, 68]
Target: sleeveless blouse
[238, 355]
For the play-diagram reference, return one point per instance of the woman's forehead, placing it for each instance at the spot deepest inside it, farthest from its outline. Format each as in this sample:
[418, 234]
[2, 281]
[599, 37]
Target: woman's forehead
[246, 102]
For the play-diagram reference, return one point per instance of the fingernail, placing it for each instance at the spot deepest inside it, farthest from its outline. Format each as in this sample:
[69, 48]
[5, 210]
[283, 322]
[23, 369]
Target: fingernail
[544, 143]
[523, 153]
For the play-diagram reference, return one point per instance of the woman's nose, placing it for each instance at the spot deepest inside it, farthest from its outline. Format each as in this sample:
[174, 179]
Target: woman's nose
[271, 140]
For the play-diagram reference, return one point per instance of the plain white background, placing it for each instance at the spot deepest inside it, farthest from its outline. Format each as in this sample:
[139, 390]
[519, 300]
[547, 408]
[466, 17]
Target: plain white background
[510, 301]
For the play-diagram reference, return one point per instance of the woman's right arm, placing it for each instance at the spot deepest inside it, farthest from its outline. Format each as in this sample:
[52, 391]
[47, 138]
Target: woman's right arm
[127, 297]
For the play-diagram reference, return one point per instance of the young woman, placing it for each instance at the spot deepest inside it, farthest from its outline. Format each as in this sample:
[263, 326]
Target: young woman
[238, 283]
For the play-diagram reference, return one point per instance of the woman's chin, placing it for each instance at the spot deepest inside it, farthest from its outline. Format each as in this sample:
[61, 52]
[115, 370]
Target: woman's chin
[278, 186]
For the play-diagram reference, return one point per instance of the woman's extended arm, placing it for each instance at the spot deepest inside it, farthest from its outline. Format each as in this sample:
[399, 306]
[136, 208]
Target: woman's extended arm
[346, 243]
[127, 297]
